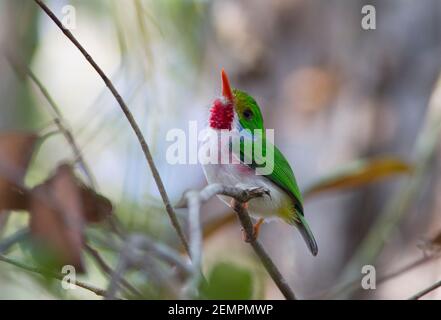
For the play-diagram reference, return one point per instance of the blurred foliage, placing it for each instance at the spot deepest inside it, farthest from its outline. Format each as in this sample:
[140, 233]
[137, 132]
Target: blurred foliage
[185, 24]
[228, 281]
[23, 41]
[359, 173]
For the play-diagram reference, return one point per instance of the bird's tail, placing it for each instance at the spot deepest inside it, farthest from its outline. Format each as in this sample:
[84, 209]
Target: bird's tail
[307, 234]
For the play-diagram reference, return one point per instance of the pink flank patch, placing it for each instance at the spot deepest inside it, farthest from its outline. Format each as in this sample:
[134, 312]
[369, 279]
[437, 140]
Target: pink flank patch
[221, 115]
[244, 169]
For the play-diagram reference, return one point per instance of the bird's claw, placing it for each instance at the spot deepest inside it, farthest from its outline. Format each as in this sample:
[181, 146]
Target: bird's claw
[232, 204]
[260, 191]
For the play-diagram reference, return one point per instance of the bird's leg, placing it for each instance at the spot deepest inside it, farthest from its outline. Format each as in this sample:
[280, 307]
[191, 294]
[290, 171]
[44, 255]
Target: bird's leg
[245, 205]
[244, 234]
[256, 226]
[256, 229]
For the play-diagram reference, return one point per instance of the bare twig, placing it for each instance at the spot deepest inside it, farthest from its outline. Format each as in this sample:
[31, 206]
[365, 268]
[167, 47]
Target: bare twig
[195, 233]
[407, 268]
[140, 243]
[107, 269]
[24, 233]
[163, 252]
[130, 118]
[117, 276]
[422, 293]
[163, 279]
[58, 118]
[269, 265]
[18, 236]
[241, 196]
[97, 291]
[353, 286]
[62, 126]
[133, 253]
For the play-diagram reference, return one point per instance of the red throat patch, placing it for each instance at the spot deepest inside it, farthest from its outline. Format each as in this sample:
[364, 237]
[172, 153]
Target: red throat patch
[221, 115]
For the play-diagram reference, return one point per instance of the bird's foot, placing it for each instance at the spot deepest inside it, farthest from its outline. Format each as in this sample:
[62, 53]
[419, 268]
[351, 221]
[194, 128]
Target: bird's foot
[256, 227]
[260, 192]
[232, 203]
[256, 230]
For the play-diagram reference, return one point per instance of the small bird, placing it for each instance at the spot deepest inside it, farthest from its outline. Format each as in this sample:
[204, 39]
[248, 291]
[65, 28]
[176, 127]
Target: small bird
[234, 112]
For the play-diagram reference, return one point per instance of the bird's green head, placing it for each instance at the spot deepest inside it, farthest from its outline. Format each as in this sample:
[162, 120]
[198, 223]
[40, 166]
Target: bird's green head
[235, 105]
[247, 110]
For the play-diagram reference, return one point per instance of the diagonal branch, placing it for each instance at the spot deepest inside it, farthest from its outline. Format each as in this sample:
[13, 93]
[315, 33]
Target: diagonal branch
[429, 289]
[58, 117]
[195, 233]
[108, 270]
[353, 286]
[130, 118]
[193, 200]
[134, 253]
[269, 265]
[97, 291]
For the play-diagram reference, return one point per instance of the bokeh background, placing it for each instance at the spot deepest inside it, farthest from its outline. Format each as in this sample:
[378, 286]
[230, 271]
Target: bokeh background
[333, 92]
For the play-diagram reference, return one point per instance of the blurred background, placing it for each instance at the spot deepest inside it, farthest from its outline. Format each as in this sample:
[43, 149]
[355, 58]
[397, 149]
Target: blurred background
[334, 93]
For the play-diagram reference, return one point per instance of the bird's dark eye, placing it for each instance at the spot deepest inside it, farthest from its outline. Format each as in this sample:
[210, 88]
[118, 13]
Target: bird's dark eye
[247, 114]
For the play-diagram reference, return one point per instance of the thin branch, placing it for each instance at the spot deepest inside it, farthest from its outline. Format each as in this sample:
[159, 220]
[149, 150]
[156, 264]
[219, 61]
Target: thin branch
[108, 270]
[132, 254]
[269, 265]
[422, 293]
[62, 126]
[241, 196]
[195, 233]
[143, 244]
[97, 291]
[24, 233]
[58, 117]
[406, 268]
[161, 251]
[117, 276]
[130, 118]
[354, 285]
[18, 236]
[162, 279]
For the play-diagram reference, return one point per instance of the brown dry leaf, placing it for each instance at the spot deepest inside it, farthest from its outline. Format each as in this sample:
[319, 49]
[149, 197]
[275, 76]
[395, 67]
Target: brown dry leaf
[96, 207]
[57, 216]
[16, 151]
[60, 208]
[359, 173]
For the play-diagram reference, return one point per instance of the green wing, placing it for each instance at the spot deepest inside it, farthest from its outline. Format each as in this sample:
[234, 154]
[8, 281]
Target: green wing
[283, 177]
[282, 174]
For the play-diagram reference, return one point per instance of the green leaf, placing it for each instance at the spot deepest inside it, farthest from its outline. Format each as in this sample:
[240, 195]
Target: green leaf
[358, 173]
[228, 281]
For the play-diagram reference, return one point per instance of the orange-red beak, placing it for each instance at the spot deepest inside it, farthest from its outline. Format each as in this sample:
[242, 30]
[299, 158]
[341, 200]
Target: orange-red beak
[226, 89]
